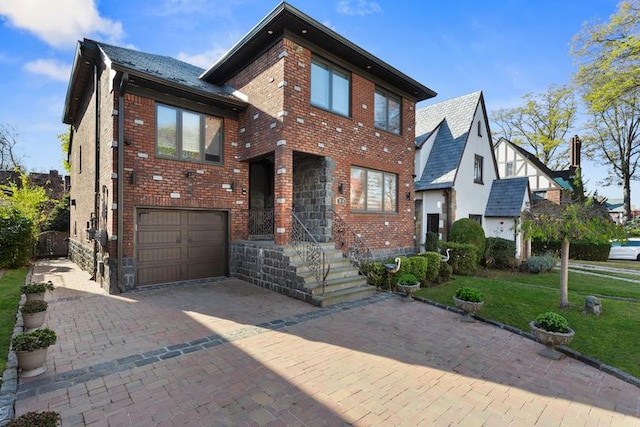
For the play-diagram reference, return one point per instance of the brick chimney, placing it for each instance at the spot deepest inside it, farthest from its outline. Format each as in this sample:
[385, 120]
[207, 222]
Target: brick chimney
[576, 144]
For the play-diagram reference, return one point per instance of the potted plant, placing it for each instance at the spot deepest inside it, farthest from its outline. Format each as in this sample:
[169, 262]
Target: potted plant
[32, 419]
[33, 314]
[408, 283]
[469, 300]
[31, 350]
[36, 291]
[551, 329]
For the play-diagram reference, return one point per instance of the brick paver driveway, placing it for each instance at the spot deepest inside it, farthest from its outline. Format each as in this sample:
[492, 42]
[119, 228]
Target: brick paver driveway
[229, 353]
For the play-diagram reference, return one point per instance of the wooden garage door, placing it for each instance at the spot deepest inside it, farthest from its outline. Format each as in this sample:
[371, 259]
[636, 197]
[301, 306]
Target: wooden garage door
[174, 245]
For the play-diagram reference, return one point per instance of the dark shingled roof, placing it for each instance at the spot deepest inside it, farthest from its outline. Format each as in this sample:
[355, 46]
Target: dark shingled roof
[451, 121]
[163, 67]
[506, 197]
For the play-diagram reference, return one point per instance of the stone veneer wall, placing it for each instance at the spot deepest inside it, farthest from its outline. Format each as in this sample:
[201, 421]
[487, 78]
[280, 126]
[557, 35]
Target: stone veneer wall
[312, 181]
[82, 255]
[385, 254]
[266, 265]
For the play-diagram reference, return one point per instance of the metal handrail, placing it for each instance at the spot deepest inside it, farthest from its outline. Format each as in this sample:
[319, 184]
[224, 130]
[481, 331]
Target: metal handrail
[309, 250]
[352, 245]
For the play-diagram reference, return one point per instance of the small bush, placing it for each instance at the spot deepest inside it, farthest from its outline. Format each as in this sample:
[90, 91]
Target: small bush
[552, 322]
[469, 294]
[466, 230]
[36, 419]
[29, 341]
[419, 267]
[433, 265]
[376, 273]
[499, 252]
[405, 267]
[541, 264]
[431, 242]
[463, 258]
[31, 307]
[407, 279]
[444, 272]
[37, 288]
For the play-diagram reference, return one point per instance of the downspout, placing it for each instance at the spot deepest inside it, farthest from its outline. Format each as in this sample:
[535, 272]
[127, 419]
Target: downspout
[96, 186]
[124, 81]
[447, 198]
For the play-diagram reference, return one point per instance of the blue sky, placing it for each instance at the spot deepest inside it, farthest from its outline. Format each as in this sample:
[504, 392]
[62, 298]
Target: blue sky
[506, 48]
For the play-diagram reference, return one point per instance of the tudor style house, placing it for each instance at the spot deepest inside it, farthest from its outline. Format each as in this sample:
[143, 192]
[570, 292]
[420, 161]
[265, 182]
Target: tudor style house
[456, 174]
[285, 164]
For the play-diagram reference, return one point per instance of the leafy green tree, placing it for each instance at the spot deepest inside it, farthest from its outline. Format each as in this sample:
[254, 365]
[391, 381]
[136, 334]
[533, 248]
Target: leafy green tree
[32, 201]
[608, 78]
[569, 222]
[58, 218]
[65, 142]
[9, 159]
[540, 124]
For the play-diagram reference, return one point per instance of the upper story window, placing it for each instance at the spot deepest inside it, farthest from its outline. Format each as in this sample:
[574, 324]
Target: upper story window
[479, 128]
[387, 111]
[330, 87]
[187, 135]
[373, 191]
[508, 169]
[477, 169]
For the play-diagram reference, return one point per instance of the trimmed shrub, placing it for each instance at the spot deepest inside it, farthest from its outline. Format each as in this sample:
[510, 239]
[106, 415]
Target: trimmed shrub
[419, 267]
[541, 264]
[16, 238]
[499, 252]
[466, 230]
[405, 267]
[431, 242]
[444, 272]
[469, 294]
[552, 322]
[578, 249]
[376, 274]
[407, 279]
[433, 265]
[463, 258]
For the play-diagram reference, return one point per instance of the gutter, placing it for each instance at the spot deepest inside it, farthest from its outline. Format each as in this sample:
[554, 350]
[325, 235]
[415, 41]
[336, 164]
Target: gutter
[96, 184]
[124, 81]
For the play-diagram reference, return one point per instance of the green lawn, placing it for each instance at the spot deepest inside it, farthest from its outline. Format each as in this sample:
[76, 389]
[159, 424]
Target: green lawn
[515, 299]
[10, 290]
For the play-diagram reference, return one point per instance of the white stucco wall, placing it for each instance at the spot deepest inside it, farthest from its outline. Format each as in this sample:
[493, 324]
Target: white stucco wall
[538, 180]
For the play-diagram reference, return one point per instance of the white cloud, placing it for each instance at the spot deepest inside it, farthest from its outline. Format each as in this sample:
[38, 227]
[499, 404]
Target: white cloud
[63, 23]
[50, 68]
[205, 59]
[358, 7]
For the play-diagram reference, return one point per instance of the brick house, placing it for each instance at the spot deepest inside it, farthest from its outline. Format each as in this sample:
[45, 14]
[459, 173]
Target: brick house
[287, 163]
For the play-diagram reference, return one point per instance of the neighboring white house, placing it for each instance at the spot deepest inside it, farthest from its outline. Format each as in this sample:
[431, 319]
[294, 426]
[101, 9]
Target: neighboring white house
[515, 161]
[456, 169]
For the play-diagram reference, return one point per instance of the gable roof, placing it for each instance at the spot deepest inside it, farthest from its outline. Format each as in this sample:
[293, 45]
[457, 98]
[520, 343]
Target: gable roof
[146, 69]
[452, 120]
[506, 197]
[287, 20]
[563, 177]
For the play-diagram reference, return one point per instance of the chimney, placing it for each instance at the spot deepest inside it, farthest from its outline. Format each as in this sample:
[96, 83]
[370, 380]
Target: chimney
[575, 151]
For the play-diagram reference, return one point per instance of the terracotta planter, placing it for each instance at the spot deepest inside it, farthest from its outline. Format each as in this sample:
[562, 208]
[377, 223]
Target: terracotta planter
[550, 340]
[33, 321]
[32, 363]
[468, 307]
[35, 297]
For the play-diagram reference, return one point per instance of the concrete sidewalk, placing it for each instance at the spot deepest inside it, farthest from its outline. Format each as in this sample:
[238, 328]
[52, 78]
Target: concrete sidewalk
[229, 353]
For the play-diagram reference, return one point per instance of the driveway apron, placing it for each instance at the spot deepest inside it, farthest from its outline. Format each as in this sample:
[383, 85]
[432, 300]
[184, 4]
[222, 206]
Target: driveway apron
[225, 352]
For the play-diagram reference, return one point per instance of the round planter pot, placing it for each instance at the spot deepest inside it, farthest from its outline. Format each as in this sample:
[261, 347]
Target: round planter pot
[35, 297]
[33, 321]
[408, 290]
[468, 307]
[32, 363]
[550, 340]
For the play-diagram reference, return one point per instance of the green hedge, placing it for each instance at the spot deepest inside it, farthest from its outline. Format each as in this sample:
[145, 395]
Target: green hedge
[463, 259]
[16, 238]
[467, 230]
[500, 252]
[579, 249]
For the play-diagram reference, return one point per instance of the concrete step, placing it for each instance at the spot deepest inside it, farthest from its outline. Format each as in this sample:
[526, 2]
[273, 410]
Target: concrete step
[336, 284]
[351, 294]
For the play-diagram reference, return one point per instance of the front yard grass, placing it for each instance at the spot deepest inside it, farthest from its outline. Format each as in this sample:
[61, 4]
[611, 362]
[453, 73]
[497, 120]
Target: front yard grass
[515, 299]
[10, 290]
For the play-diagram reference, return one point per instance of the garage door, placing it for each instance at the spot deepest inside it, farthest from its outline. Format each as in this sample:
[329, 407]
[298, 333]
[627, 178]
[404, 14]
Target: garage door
[174, 245]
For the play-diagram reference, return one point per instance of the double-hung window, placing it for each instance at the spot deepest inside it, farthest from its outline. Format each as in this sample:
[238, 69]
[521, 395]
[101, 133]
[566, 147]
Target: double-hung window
[387, 111]
[330, 87]
[373, 191]
[477, 169]
[187, 135]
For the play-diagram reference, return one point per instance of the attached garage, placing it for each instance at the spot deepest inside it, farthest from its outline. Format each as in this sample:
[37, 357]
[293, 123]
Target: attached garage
[173, 245]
